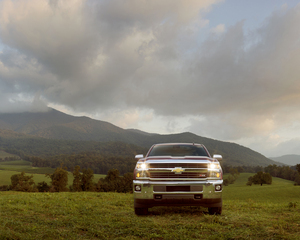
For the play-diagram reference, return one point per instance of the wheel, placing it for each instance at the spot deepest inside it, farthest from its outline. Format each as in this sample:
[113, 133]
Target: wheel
[215, 210]
[141, 211]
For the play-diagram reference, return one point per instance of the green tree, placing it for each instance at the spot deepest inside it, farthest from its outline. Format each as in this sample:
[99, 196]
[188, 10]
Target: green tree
[298, 168]
[260, 178]
[87, 178]
[127, 182]
[297, 179]
[43, 187]
[59, 180]
[113, 182]
[21, 182]
[77, 183]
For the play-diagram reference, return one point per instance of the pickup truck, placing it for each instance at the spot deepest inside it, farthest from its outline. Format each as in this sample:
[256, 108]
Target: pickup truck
[178, 174]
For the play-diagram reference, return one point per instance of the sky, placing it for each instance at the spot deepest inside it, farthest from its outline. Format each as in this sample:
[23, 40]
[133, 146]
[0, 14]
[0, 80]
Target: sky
[222, 69]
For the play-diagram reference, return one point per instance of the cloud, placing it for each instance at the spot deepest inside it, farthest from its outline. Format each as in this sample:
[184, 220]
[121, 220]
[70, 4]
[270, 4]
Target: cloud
[145, 56]
[218, 29]
[11, 103]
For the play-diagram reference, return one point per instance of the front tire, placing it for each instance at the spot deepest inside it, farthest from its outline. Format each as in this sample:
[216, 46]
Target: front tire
[141, 211]
[215, 210]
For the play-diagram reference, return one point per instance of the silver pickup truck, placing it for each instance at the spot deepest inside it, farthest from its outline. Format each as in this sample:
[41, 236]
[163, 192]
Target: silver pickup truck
[178, 174]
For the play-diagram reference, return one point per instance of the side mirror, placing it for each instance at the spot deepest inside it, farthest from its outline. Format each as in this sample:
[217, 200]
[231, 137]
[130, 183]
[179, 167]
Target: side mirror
[139, 156]
[218, 157]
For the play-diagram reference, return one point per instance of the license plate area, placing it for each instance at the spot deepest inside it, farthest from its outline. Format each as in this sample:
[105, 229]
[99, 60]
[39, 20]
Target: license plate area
[178, 188]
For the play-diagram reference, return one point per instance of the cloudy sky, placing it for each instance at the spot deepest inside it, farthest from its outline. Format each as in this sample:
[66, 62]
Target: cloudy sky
[228, 70]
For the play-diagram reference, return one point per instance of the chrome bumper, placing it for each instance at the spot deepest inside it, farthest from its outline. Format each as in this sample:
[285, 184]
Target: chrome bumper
[160, 193]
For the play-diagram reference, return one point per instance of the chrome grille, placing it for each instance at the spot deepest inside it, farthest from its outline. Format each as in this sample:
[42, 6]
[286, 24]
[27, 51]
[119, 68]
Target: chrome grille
[173, 165]
[173, 175]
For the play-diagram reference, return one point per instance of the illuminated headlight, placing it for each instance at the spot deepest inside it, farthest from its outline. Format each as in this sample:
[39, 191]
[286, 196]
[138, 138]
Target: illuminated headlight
[214, 166]
[142, 166]
[218, 187]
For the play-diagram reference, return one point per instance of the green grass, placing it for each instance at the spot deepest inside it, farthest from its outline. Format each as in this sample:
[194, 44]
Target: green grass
[9, 168]
[5, 154]
[249, 212]
[21, 165]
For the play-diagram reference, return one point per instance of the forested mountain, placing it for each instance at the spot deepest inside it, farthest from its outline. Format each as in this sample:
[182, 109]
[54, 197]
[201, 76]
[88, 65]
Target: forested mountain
[57, 125]
[52, 133]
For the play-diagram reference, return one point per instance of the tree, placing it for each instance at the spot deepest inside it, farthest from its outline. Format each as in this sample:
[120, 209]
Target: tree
[87, 180]
[43, 187]
[21, 182]
[234, 174]
[77, 183]
[127, 182]
[59, 180]
[260, 178]
[298, 168]
[115, 183]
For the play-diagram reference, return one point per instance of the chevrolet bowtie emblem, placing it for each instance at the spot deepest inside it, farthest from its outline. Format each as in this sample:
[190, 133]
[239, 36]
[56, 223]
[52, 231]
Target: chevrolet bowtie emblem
[178, 170]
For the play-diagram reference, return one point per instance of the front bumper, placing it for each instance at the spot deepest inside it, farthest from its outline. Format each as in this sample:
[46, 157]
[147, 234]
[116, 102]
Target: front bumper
[177, 193]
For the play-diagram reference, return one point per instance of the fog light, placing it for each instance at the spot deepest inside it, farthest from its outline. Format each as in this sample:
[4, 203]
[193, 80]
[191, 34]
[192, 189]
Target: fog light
[138, 188]
[198, 196]
[158, 196]
[218, 187]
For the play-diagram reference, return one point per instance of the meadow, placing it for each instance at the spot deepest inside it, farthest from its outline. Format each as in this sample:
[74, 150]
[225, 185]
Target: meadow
[9, 168]
[249, 212]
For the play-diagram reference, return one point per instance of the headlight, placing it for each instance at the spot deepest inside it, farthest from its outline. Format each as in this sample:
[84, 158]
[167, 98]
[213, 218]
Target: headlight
[214, 166]
[214, 170]
[141, 166]
[140, 170]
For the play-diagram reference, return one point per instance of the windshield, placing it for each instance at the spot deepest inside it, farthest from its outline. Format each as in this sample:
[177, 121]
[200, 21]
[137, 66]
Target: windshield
[178, 150]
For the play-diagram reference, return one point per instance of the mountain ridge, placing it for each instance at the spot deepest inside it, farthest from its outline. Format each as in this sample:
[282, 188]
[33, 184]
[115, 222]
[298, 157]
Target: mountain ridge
[289, 159]
[54, 124]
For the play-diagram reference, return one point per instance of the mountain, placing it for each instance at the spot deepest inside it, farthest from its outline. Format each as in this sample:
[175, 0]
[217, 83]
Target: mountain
[60, 131]
[291, 160]
[57, 125]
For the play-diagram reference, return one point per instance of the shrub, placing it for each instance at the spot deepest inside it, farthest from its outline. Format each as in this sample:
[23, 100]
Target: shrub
[43, 187]
[21, 182]
[4, 188]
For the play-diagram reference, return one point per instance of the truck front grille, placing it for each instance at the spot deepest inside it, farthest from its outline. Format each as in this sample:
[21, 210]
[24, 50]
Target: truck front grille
[173, 175]
[173, 165]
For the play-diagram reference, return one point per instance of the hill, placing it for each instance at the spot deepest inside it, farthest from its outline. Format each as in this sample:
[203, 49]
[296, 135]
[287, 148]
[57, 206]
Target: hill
[291, 160]
[54, 132]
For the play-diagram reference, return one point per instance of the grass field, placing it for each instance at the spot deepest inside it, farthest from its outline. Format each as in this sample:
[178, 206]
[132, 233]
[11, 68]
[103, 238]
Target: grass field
[5, 154]
[249, 212]
[7, 169]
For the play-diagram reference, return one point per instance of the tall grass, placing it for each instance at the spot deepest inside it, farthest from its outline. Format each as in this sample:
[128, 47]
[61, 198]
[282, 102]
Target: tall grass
[255, 212]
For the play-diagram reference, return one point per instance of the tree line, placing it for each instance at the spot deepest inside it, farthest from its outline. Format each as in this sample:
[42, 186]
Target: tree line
[8, 159]
[83, 181]
[100, 164]
[284, 172]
